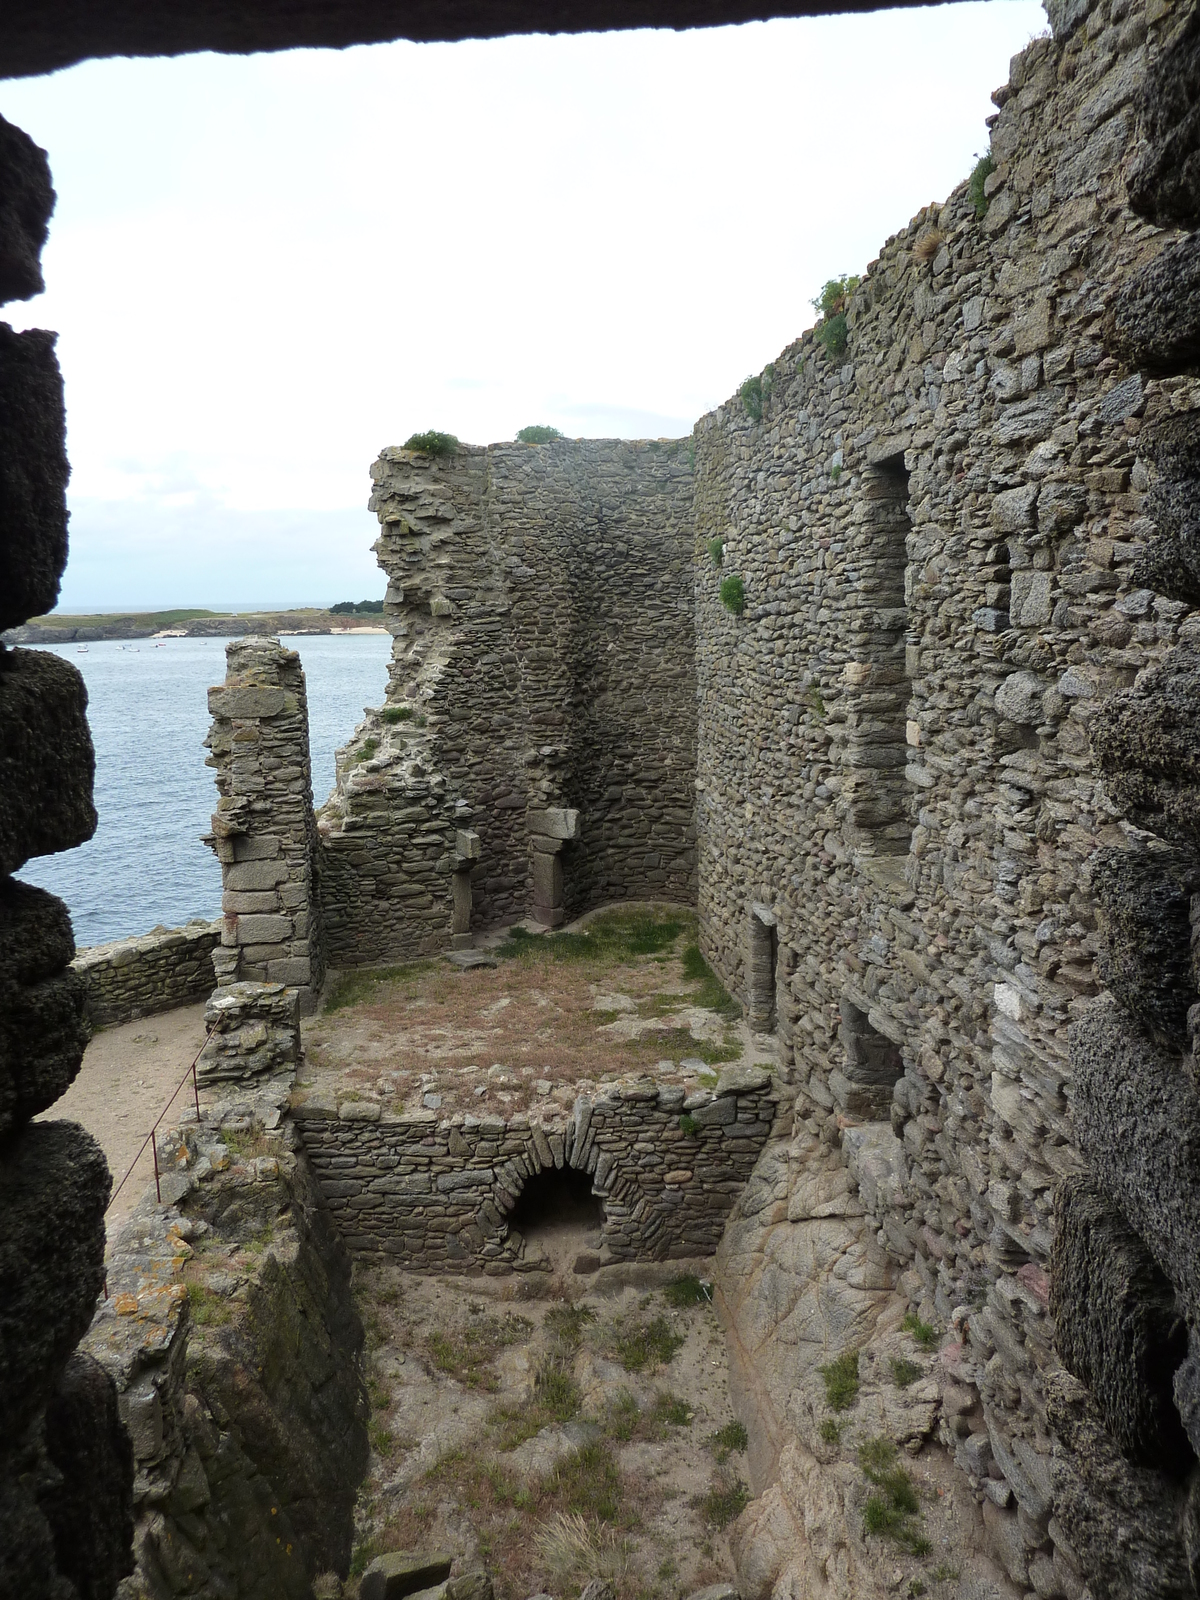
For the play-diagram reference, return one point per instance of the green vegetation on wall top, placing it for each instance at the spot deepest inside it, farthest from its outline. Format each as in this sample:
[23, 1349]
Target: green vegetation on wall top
[733, 595]
[832, 330]
[432, 443]
[538, 433]
[980, 173]
[755, 392]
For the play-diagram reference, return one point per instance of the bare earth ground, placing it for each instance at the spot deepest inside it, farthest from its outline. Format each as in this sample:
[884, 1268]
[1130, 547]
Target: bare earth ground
[128, 1074]
[623, 992]
[547, 1439]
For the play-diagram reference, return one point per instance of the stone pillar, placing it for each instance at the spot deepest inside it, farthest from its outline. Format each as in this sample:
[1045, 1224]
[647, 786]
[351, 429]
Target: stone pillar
[549, 830]
[263, 830]
[467, 852]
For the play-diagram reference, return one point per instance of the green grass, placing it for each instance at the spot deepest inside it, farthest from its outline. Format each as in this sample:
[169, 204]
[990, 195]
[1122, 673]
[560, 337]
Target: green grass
[358, 988]
[841, 1380]
[647, 1344]
[733, 594]
[892, 1513]
[537, 433]
[688, 1125]
[723, 1502]
[925, 1334]
[567, 1323]
[467, 1353]
[980, 173]
[716, 551]
[712, 994]
[144, 619]
[208, 1309]
[555, 1398]
[727, 1441]
[367, 750]
[686, 1291]
[904, 1371]
[680, 1043]
[432, 443]
[614, 937]
[394, 714]
[832, 331]
[831, 1430]
[589, 1483]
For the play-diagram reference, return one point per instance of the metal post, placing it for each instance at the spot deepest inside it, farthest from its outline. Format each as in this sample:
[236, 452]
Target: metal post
[154, 1147]
[196, 1090]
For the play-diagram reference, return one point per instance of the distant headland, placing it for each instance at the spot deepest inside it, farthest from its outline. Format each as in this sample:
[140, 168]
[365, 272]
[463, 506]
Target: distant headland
[348, 616]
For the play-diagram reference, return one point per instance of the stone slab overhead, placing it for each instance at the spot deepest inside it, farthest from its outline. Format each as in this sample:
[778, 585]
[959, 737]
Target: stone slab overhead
[37, 37]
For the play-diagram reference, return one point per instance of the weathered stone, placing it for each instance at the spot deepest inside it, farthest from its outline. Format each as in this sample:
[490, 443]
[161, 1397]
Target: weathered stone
[33, 469]
[1019, 698]
[403, 1572]
[42, 1029]
[1144, 898]
[46, 758]
[1147, 744]
[26, 203]
[1116, 1327]
[90, 1508]
[1154, 322]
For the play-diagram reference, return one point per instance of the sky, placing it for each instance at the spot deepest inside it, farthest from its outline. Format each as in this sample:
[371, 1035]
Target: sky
[265, 269]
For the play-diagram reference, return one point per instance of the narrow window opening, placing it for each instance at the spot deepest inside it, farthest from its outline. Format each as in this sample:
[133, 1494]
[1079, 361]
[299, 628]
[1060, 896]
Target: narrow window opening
[873, 1066]
[762, 956]
[878, 804]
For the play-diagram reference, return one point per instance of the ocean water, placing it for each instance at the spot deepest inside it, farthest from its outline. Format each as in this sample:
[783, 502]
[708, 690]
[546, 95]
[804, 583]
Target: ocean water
[148, 710]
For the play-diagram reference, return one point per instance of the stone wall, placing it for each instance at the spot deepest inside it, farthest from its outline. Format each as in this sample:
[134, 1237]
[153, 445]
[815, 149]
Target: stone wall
[263, 833]
[942, 532]
[65, 1473]
[436, 1194]
[164, 968]
[540, 602]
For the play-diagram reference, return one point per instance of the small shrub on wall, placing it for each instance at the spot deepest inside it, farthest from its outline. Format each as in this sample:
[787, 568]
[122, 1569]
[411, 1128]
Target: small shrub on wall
[733, 595]
[716, 549]
[538, 433]
[980, 173]
[432, 443]
[832, 330]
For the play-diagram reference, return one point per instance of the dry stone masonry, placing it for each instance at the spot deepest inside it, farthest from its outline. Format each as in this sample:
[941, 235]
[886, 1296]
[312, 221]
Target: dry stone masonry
[162, 969]
[665, 1167]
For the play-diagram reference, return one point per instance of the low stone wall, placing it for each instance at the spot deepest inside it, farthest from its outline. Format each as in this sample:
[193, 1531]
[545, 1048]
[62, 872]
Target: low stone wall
[165, 968]
[666, 1168]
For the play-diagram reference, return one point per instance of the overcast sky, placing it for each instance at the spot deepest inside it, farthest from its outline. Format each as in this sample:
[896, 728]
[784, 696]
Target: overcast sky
[263, 270]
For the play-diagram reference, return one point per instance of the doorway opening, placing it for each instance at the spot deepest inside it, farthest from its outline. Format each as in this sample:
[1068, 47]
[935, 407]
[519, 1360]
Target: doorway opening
[558, 1215]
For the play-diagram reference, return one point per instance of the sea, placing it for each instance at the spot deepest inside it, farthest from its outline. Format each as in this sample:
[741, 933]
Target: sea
[148, 710]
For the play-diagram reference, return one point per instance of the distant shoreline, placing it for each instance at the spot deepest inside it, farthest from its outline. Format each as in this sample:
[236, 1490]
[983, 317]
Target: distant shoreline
[185, 624]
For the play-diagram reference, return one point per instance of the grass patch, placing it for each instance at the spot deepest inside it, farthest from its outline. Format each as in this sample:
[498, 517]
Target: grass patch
[831, 1430]
[980, 173]
[680, 1043]
[841, 1380]
[723, 1502]
[925, 1334]
[394, 714]
[382, 1439]
[893, 1512]
[615, 937]
[208, 1310]
[733, 594]
[643, 1345]
[432, 443]
[358, 988]
[467, 1353]
[904, 1371]
[688, 1125]
[589, 1483]
[832, 332]
[716, 551]
[729, 1440]
[567, 1323]
[555, 1399]
[537, 433]
[575, 1549]
[712, 996]
[366, 750]
[686, 1291]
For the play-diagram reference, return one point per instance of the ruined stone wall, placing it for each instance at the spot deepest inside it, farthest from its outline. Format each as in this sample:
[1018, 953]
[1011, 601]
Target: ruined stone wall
[437, 1194]
[540, 602]
[162, 969]
[942, 532]
[264, 833]
[65, 1473]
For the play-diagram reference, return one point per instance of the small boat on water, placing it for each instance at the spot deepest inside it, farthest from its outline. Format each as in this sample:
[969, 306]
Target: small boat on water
[81, 649]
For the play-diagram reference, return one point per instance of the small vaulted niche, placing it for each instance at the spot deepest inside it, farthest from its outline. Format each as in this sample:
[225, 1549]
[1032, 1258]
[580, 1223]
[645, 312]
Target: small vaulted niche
[877, 818]
[873, 1066]
[555, 1200]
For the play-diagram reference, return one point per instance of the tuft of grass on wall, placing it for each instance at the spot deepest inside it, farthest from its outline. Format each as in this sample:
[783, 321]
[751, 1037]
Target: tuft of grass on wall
[432, 443]
[733, 595]
[716, 550]
[394, 714]
[537, 433]
[980, 173]
[832, 331]
[841, 1380]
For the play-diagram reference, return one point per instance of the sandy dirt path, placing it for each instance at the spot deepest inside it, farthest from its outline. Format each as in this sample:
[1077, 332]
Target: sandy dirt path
[129, 1073]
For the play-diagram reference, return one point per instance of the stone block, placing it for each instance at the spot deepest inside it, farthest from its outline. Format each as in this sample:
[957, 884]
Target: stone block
[263, 928]
[42, 1028]
[1060, 507]
[254, 876]
[1143, 902]
[1116, 1326]
[46, 757]
[54, 1186]
[90, 1507]
[547, 875]
[245, 703]
[1137, 1120]
[404, 1573]
[1146, 741]
[1019, 698]
[555, 822]
[1121, 1521]
[33, 473]
[1164, 185]
[26, 205]
[1030, 598]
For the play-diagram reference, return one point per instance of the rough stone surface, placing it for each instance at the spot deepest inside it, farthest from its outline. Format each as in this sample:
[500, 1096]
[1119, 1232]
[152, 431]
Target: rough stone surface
[1155, 319]
[91, 1509]
[46, 758]
[159, 971]
[1147, 745]
[403, 1572]
[54, 1186]
[42, 1028]
[255, 1030]
[26, 201]
[1116, 1327]
[1165, 182]
[33, 475]
[1144, 898]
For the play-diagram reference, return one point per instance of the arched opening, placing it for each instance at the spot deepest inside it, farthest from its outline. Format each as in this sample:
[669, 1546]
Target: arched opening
[558, 1216]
